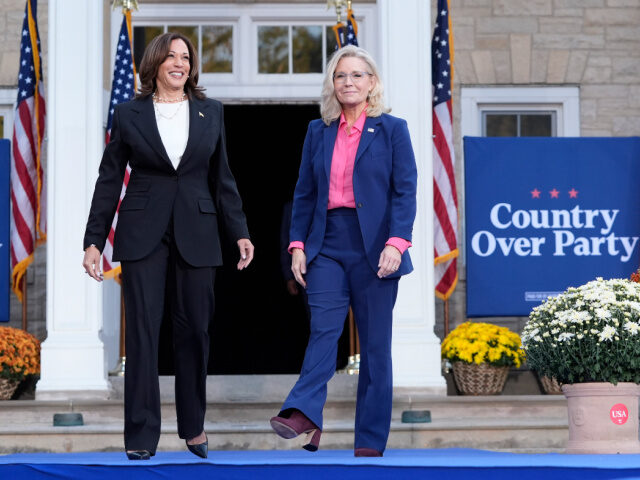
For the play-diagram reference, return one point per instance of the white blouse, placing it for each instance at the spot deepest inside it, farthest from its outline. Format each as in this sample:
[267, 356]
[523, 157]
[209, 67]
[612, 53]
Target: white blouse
[173, 124]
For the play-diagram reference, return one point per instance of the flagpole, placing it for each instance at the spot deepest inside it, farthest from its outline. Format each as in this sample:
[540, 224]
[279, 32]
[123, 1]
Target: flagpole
[119, 370]
[446, 317]
[24, 302]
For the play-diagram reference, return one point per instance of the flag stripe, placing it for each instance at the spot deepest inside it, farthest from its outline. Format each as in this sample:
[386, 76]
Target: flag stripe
[445, 201]
[27, 176]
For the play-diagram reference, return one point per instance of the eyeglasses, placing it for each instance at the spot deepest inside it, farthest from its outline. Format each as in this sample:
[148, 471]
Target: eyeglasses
[357, 77]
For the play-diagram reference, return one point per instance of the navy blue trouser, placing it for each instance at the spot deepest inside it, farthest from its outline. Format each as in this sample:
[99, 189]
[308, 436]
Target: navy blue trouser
[338, 277]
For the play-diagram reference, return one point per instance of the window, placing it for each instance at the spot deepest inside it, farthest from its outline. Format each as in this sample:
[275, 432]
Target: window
[518, 123]
[520, 111]
[294, 48]
[214, 43]
[252, 51]
[7, 99]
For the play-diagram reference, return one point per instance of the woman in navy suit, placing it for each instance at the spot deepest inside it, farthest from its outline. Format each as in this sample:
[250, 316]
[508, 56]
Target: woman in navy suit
[353, 212]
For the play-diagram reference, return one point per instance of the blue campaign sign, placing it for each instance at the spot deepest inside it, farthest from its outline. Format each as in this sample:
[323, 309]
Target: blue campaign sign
[544, 214]
[5, 273]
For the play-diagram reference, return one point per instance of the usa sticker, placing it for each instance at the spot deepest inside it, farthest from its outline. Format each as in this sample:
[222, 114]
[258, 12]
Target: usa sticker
[619, 414]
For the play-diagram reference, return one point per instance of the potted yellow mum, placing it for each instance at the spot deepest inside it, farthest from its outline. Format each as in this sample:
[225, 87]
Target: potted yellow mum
[481, 354]
[19, 357]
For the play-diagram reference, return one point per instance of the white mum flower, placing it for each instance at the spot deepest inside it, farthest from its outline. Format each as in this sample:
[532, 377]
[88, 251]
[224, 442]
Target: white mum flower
[564, 336]
[602, 313]
[608, 332]
[632, 327]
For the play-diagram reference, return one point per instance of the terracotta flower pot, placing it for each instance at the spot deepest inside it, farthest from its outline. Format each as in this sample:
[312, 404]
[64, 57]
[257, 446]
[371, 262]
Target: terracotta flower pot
[603, 418]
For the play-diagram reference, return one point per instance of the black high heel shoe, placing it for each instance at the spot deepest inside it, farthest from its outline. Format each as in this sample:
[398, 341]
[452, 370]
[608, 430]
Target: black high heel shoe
[199, 449]
[138, 454]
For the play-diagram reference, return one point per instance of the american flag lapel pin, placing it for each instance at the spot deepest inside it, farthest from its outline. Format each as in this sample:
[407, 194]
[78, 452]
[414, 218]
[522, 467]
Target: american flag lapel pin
[370, 130]
[201, 114]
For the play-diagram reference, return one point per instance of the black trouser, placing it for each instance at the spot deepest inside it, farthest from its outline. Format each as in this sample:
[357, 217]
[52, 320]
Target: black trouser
[189, 290]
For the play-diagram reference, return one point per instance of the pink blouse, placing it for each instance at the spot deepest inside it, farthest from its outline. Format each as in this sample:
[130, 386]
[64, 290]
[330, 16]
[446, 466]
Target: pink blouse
[341, 177]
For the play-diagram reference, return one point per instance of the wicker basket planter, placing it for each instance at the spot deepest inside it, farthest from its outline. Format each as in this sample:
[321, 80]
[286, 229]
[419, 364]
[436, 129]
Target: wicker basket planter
[7, 387]
[551, 386]
[479, 379]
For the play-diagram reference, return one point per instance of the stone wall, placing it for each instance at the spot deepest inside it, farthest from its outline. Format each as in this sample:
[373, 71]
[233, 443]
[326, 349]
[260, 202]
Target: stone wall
[592, 44]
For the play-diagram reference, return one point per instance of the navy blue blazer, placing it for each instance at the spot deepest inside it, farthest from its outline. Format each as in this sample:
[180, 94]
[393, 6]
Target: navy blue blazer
[384, 187]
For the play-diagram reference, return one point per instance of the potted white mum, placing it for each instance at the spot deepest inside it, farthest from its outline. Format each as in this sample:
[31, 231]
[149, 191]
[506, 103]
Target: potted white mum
[588, 338]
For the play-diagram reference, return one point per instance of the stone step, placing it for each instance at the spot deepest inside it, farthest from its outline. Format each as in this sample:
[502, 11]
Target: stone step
[539, 435]
[239, 408]
[441, 408]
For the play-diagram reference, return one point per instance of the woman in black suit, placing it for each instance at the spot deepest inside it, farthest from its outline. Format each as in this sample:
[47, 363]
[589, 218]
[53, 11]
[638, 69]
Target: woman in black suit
[167, 237]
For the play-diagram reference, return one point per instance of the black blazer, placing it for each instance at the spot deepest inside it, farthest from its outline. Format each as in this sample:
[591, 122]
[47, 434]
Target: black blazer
[199, 194]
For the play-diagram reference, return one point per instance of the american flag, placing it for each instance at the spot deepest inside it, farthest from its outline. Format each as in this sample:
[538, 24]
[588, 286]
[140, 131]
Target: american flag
[28, 193]
[346, 34]
[445, 200]
[122, 90]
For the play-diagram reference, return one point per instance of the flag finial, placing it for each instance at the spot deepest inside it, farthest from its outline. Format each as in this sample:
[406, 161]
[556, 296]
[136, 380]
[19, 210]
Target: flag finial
[127, 5]
[338, 5]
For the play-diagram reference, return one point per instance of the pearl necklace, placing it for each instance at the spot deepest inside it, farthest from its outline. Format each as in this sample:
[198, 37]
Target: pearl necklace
[168, 117]
[158, 99]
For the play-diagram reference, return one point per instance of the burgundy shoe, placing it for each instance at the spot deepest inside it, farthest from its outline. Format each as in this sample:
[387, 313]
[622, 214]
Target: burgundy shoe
[295, 425]
[366, 452]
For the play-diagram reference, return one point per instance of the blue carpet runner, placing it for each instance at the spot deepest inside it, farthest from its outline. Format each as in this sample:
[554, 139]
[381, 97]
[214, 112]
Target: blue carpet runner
[445, 464]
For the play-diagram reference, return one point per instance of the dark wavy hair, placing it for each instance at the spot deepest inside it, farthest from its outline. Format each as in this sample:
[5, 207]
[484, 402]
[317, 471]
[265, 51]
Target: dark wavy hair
[156, 53]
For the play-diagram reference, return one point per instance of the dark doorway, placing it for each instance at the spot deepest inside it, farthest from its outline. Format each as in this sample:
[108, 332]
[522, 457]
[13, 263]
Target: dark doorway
[259, 328]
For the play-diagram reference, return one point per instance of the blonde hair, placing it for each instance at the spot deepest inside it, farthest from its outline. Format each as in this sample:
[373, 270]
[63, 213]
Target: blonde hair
[330, 108]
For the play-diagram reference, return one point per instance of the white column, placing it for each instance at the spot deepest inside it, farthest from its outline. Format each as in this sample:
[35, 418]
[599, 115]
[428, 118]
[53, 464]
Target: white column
[73, 356]
[405, 31]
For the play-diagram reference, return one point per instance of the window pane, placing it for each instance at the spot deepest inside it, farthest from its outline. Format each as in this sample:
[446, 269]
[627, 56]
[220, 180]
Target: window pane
[141, 38]
[331, 44]
[307, 49]
[536, 125]
[501, 125]
[217, 49]
[190, 32]
[273, 49]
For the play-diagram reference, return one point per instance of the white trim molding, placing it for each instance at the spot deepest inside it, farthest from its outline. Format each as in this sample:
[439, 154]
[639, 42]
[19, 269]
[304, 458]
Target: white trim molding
[245, 84]
[8, 98]
[565, 101]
